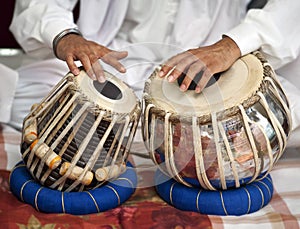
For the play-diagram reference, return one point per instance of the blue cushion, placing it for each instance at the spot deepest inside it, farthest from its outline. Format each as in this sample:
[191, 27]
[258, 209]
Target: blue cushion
[44, 199]
[239, 201]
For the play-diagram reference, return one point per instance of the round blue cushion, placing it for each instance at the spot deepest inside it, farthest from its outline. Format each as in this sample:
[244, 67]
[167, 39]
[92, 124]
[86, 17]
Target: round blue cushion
[239, 201]
[44, 199]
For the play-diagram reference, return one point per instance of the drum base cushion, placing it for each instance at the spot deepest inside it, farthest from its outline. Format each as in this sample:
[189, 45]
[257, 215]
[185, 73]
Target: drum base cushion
[239, 201]
[44, 199]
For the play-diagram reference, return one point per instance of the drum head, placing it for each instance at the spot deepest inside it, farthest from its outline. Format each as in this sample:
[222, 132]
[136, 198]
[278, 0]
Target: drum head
[234, 86]
[113, 95]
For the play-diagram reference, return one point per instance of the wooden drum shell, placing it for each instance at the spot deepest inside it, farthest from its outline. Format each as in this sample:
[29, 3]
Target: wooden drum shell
[84, 129]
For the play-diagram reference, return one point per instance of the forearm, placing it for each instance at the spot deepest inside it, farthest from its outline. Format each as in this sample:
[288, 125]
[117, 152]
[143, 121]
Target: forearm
[273, 30]
[37, 22]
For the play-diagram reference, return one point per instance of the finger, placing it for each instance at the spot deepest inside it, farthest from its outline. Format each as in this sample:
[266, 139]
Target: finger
[98, 71]
[193, 70]
[181, 66]
[207, 74]
[171, 63]
[117, 65]
[119, 54]
[86, 63]
[71, 65]
[112, 58]
[103, 52]
[114, 62]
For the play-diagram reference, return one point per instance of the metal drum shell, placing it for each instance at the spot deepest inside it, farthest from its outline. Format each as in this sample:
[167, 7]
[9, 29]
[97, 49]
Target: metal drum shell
[223, 141]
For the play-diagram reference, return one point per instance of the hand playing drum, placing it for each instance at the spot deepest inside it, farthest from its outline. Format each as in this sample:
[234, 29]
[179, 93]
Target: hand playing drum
[205, 61]
[74, 47]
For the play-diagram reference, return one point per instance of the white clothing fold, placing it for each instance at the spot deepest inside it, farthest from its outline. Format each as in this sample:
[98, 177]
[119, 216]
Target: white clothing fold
[9, 79]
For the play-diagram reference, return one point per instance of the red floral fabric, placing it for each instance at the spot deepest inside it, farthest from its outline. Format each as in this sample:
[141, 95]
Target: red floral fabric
[145, 209]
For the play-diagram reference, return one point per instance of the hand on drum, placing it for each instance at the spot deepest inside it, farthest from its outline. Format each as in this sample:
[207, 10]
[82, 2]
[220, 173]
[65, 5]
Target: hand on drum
[208, 60]
[74, 47]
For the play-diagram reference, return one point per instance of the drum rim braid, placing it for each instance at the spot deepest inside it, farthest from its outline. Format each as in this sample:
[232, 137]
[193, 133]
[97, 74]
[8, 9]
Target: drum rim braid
[116, 193]
[206, 118]
[237, 201]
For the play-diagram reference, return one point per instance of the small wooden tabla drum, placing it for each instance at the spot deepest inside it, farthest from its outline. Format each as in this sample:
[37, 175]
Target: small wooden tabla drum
[79, 136]
[230, 134]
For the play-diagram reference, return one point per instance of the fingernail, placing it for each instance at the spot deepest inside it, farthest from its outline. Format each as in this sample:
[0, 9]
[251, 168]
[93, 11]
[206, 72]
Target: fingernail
[182, 87]
[171, 78]
[94, 77]
[161, 74]
[76, 71]
[102, 79]
[122, 69]
[197, 90]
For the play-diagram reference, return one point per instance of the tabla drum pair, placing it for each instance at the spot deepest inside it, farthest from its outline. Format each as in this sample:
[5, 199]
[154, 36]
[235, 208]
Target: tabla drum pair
[225, 138]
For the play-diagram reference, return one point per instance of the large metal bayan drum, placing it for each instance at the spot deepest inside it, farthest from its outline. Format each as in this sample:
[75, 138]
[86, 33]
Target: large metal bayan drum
[79, 136]
[229, 135]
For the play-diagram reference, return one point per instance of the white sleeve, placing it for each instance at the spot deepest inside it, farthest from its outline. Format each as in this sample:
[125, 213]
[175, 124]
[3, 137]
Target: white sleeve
[274, 30]
[36, 22]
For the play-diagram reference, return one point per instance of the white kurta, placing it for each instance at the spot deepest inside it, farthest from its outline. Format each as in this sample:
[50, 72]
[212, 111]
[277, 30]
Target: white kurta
[152, 31]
